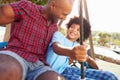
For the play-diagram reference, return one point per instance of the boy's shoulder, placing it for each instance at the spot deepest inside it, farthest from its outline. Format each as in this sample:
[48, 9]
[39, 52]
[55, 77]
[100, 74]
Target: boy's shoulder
[58, 33]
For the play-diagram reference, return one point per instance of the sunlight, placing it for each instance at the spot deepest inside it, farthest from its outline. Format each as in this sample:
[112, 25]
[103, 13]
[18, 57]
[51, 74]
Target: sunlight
[2, 32]
[104, 15]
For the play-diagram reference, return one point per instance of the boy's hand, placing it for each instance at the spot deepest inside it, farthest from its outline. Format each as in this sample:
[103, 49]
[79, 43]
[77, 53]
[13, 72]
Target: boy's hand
[79, 53]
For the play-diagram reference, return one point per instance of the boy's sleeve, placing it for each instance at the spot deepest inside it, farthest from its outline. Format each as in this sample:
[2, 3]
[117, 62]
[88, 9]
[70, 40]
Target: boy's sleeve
[57, 37]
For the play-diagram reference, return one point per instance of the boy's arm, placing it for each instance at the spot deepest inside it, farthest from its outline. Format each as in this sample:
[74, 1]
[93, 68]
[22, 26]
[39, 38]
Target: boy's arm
[6, 14]
[76, 53]
[61, 50]
[92, 62]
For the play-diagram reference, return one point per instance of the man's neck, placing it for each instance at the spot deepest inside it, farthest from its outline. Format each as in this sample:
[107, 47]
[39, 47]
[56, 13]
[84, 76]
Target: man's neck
[45, 13]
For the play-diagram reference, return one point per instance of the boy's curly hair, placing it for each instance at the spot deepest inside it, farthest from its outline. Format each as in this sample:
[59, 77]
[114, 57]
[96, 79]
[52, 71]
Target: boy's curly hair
[86, 26]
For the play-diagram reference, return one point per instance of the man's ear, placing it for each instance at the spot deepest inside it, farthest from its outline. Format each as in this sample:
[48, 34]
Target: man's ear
[52, 4]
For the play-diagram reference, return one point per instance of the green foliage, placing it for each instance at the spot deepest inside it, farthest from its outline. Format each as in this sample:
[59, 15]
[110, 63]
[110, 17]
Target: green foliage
[116, 35]
[106, 38]
[62, 30]
[39, 2]
[116, 42]
[7, 1]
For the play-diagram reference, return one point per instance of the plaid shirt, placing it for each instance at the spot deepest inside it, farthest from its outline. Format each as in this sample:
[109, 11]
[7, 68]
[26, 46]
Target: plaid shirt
[30, 33]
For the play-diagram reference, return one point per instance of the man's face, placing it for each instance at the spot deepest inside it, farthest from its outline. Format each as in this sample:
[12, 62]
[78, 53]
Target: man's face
[60, 12]
[73, 33]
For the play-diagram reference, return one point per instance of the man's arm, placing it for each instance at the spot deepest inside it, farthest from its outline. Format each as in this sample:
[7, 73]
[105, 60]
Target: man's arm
[6, 14]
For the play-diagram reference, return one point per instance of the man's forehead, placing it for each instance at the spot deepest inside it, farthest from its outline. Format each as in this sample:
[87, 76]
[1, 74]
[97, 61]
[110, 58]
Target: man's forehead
[64, 1]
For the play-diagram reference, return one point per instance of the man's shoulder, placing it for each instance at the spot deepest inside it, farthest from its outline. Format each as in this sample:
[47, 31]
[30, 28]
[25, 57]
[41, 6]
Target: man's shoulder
[25, 3]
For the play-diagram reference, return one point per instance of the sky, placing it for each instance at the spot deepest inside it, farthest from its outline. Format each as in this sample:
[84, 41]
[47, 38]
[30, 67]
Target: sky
[104, 15]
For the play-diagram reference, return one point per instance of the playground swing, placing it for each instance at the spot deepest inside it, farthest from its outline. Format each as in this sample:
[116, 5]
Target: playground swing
[84, 64]
[3, 45]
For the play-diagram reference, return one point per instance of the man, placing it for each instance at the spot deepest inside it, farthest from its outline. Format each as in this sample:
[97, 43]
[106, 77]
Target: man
[32, 27]
[62, 48]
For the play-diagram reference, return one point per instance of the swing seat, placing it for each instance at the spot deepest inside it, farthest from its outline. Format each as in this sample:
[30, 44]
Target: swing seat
[3, 45]
[77, 64]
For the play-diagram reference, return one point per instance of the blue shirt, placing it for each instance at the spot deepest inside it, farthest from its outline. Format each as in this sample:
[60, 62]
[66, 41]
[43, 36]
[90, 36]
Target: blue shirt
[59, 63]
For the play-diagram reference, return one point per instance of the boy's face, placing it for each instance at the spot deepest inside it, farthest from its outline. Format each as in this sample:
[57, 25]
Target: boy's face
[73, 33]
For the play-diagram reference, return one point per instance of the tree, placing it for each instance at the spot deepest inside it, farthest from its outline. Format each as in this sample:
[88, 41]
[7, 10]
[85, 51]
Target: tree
[104, 38]
[7, 1]
[116, 42]
[40, 2]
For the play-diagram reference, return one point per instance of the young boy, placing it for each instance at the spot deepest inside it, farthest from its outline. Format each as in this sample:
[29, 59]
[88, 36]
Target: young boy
[62, 48]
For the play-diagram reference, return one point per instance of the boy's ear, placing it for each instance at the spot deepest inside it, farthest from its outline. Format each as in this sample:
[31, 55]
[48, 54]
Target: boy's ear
[66, 31]
[78, 40]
